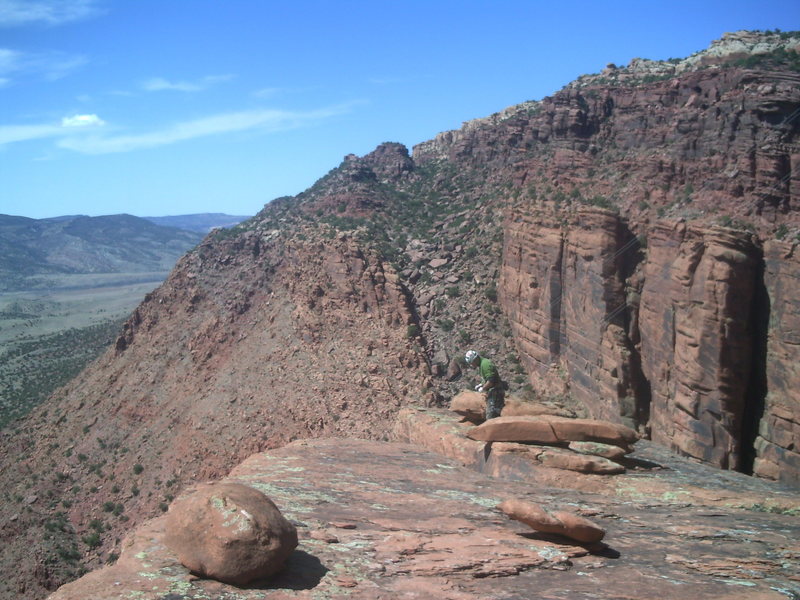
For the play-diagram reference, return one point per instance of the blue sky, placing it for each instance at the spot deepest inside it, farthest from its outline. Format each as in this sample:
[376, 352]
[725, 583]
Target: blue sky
[164, 107]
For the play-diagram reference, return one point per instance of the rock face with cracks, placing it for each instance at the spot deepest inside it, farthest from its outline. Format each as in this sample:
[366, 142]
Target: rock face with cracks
[229, 532]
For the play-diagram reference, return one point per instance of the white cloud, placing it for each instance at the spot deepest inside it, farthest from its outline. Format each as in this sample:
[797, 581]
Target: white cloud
[10, 134]
[159, 84]
[14, 13]
[261, 121]
[85, 133]
[82, 121]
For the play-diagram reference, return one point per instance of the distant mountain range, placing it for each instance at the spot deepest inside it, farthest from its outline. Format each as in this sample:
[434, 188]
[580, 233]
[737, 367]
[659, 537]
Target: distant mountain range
[108, 244]
[203, 222]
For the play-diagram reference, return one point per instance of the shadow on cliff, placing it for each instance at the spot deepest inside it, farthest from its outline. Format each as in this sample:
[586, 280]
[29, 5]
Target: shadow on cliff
[303, 571]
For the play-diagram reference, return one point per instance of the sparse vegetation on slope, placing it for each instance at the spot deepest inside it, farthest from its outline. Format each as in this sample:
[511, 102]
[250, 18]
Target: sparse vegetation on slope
[35, 366]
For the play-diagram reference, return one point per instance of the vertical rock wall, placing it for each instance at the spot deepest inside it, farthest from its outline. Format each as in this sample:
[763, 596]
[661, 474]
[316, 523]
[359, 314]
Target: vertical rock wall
[778, 442]
[697, 338]
[683, 357]
[530, 294]
[594, 311]
[564, 295]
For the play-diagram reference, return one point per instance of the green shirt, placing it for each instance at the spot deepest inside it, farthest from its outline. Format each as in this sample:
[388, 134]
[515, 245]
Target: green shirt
[489, 373]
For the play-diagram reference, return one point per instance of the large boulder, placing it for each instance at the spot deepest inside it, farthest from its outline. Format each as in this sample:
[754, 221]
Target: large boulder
[470, 405]
[561, 522]
[546, 429]
[229, 532]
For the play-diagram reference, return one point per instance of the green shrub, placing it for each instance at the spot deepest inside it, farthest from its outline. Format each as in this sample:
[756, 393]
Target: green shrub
[446, 324]
[97, 525]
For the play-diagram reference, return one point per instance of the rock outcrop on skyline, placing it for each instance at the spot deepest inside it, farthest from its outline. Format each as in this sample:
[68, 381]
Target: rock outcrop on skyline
[624, 250]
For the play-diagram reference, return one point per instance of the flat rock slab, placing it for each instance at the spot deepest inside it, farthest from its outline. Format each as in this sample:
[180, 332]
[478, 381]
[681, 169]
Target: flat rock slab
[409, 523]
[560, 522]
[547, 429]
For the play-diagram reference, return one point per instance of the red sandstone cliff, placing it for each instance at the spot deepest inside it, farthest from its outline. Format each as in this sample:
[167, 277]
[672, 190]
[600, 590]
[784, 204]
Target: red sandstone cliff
[658, 313]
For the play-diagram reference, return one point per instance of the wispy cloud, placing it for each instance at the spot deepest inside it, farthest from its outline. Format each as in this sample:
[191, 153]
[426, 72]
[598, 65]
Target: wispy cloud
[82, 121]
[49, 66]
[267, 92]
[10, 134]
[258, 121]
[389, 80]
[159, 84]
[14, 13]
[89, 134]
[9, 60]
[271, 92]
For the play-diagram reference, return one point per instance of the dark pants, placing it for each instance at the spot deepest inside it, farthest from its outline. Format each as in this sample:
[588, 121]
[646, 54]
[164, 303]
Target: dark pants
[495, 400]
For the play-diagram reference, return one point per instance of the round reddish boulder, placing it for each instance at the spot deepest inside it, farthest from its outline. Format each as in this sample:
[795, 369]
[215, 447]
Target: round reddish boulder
[229, 532]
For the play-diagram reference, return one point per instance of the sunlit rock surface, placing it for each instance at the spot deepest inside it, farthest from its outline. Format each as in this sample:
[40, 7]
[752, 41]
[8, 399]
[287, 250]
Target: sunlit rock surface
[393, 520]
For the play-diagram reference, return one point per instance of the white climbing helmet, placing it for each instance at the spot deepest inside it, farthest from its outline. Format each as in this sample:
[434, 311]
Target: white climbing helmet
[470, 356]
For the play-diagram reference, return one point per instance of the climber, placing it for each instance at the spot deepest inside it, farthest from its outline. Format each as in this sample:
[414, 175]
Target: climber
[492, 385]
